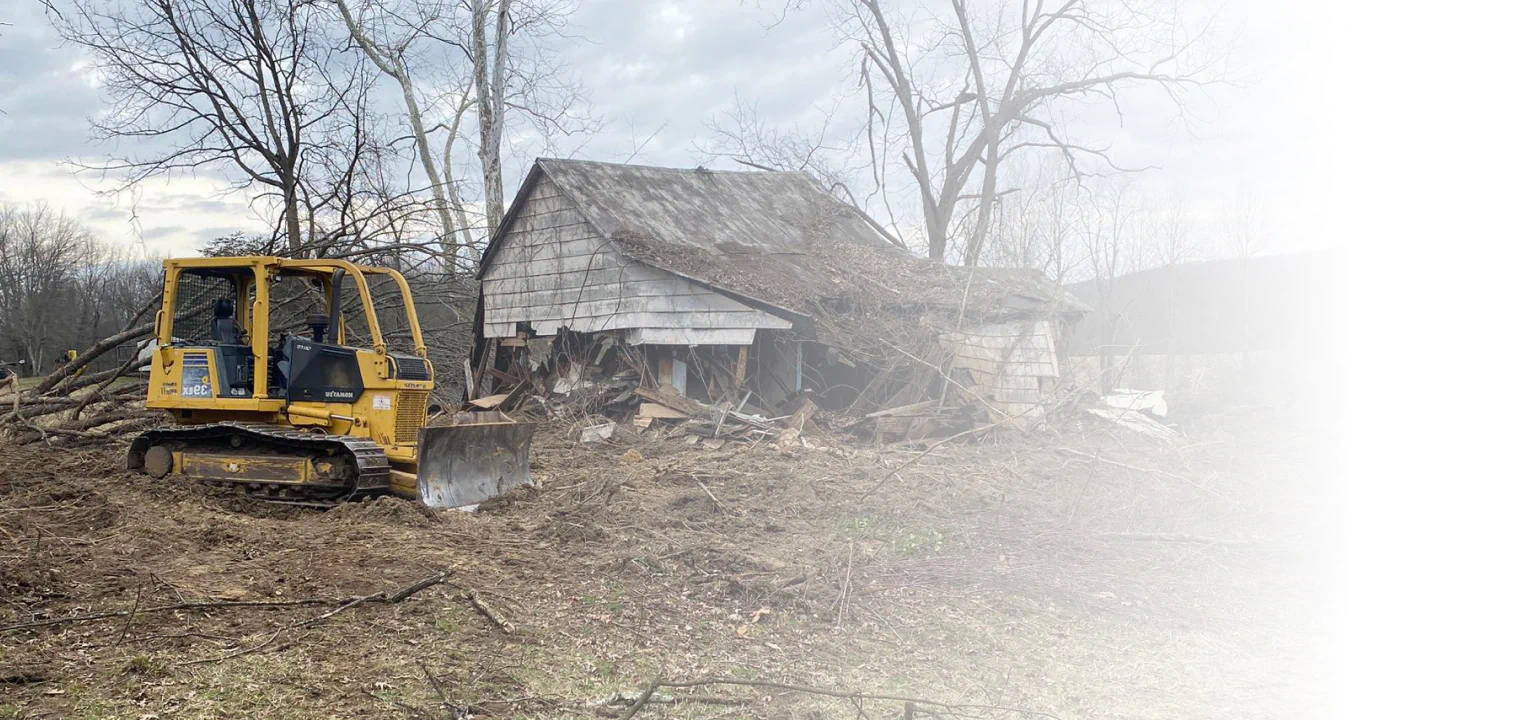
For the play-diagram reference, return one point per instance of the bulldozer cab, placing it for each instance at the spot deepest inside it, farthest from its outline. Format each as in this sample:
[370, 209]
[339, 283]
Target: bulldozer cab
[282, 330]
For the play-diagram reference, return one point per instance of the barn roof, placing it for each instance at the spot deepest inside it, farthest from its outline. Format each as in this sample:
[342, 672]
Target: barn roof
[778, 239]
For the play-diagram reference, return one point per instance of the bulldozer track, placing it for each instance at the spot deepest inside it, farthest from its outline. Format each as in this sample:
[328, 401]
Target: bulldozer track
[368, 459]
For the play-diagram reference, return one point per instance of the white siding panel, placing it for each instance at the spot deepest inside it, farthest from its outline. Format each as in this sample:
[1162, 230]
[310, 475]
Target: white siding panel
[549, 201]
[529, 296]
[547, 220]
[687, 336]
[542, 260]
[633, 320]
[671, 303]
[630, 273]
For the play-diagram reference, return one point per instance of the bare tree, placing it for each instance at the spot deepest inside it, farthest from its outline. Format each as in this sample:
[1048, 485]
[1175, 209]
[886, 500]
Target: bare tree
[39, 252]
[952, 100]
[1113, 232]
[1039, 227]
[249, 87]
[60, 287]
[1244, 230]
[487, 55]
[1244, 236]
[1172, 242]
[390, 57]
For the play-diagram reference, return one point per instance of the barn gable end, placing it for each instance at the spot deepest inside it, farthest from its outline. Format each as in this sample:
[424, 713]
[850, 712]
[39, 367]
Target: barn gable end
[553, 268]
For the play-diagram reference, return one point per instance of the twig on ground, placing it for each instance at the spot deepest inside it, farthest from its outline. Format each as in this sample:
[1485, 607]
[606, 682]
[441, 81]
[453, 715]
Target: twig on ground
[489, 612]
[454, 711]
[721, 508]
[130, 616]
[844, 589]
[642, 699]
[377, 597]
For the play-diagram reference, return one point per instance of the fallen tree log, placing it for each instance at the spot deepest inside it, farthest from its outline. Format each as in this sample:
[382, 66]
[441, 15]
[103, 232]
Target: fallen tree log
[94, 351]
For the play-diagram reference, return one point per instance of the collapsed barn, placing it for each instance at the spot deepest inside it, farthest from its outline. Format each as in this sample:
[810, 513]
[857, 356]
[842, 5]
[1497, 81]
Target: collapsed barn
[665, 293]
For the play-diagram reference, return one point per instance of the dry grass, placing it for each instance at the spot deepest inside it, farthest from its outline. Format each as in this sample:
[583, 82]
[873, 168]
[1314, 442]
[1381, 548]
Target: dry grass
[1006, 573]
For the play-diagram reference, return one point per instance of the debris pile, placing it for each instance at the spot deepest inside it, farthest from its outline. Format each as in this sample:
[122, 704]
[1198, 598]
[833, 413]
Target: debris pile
[609, 384]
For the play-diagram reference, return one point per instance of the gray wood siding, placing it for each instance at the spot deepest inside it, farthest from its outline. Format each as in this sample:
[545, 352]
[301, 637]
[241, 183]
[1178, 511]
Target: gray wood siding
[555, 270]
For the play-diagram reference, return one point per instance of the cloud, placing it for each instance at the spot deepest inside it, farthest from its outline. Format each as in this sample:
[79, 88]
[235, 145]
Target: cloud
[162, 232]
[45, 92]
[679, 63]
[670, 63]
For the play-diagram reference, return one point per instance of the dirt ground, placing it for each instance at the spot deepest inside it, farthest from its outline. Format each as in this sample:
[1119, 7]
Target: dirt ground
[1079, 574]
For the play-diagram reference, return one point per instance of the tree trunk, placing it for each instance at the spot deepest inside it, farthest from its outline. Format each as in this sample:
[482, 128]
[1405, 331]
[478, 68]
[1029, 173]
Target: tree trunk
[391, 63]
[938, 233]
[293, 220]
[489, 104]
[430, 167]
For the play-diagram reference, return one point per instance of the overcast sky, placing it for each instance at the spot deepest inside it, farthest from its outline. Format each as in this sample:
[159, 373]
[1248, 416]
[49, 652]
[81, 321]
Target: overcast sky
[674, 64]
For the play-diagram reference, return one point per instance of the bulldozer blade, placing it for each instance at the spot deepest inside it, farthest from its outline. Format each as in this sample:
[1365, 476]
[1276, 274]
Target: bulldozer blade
[465, 465]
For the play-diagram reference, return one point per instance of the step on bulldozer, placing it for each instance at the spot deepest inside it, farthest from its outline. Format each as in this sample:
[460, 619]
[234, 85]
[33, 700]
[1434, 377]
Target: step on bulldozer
[299, 407]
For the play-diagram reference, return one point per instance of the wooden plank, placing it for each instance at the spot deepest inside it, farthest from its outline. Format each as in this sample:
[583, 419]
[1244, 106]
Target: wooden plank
[667, 305]
[550, 245]
[703, 320]
[539, 220]
[548, 226]
[631, 272]
[489, 402]
[562, 242]
[690, 336]
[988, 367]
[520, 248]
[557, 265]
[549, 322]
[658, 410]
[636, 298]
[928, 407]
[564, 300]
[682, 304]
[743, 363]
[586, 290]
[556, 245]
[798, 419]
[539, 203]
[686, 405]
[544, 260]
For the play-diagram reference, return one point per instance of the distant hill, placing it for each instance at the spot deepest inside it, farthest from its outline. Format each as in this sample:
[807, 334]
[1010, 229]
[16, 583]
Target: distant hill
[1271, 303]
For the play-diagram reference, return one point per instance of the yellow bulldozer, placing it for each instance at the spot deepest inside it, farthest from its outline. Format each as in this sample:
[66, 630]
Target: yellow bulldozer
[289, 410]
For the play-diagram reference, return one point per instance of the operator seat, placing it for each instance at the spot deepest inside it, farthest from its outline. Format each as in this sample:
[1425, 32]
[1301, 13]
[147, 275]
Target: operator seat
[224, 329]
